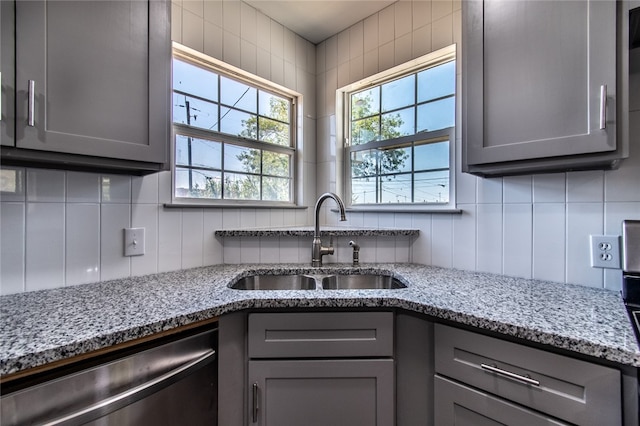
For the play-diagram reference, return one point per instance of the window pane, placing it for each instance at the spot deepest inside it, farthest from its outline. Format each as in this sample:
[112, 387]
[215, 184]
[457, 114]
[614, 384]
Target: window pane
[273, 106]
[363, 191]
[204, 153]
[398, 123]
[194, 112]
[437, 82]
[241, 187]
[431, 187]
[238, 123]
[436, 115]
[366, 130]
[275, 164]
[395, 160]
[198, 183]
[182, 150]
[274, 132]
[275, 189]
[364, 163]
[399, 93]
[395, 189]
[194, 80]
[366, 103]
[242, 159]
[238, 95]
[432, 156]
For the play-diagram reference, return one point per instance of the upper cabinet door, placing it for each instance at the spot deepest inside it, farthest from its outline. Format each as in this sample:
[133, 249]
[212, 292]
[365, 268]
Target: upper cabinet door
[7, 76]
[93, 78]
[539, 83]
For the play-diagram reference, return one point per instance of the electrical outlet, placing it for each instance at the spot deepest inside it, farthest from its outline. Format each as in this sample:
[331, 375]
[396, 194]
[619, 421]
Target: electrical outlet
[605, 251]
[133, 241]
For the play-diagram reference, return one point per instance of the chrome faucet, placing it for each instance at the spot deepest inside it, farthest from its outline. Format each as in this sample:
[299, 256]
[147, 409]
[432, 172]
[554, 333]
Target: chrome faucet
[317, 251]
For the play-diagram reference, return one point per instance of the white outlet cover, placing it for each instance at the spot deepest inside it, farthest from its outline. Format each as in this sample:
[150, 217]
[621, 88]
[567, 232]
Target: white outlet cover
[133, 241]
[605, 251]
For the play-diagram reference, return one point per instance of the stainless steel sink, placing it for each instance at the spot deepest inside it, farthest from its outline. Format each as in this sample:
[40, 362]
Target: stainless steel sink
[275, 282]
[361, 282]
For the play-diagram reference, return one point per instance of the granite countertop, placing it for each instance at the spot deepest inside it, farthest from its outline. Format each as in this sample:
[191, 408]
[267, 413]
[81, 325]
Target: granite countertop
[308, 231]
[50, 325]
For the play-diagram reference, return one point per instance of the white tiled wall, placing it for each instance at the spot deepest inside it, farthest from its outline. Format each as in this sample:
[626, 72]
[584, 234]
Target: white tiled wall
[65, 228]
[527, 226]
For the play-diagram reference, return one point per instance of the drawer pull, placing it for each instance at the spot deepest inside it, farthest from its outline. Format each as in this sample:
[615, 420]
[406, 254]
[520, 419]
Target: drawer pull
[525, 379]
[603, 107]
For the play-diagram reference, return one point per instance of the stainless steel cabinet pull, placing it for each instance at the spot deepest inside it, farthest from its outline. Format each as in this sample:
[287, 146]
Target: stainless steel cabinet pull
[0, 96]
[255, 403]
[603, 107]
[32, 101]
[494, 369]
[120, 400]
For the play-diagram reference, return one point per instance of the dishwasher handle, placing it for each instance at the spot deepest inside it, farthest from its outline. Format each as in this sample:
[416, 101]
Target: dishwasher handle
[132, 395]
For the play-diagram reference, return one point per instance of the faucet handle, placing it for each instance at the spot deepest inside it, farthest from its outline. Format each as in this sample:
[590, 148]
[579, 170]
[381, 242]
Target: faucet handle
[356, 253]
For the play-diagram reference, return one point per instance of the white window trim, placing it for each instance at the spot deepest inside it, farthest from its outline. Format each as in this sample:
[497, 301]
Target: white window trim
[181, 51]
[435, 58]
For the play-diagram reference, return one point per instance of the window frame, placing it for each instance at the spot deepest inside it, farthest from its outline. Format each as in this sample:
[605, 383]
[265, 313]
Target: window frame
[343, 123]
[178, 129]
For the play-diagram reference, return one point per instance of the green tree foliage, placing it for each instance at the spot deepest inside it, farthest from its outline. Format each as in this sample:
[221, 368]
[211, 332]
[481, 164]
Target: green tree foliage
[275, 131]
[367, 126]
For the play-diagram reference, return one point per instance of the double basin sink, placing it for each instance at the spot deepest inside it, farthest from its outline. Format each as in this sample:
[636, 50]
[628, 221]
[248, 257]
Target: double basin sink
[317, 282]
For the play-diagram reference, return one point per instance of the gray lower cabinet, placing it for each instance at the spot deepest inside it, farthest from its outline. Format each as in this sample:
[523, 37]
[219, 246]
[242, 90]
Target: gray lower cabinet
[542, 86]
[321, 368]
[322, 392]
[459, 405]
[509, 375]
[92, 85]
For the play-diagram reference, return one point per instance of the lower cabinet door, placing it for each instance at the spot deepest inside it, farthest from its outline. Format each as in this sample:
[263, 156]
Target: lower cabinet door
[459, 405]
[321, 392]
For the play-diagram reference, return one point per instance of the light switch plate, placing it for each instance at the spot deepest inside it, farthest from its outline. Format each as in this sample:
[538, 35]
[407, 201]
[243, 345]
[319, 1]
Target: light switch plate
[133, 241]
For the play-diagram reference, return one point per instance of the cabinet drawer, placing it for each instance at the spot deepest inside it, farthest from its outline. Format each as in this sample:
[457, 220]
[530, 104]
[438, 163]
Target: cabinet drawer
[460, 405]
[320, 334]
[572, 390]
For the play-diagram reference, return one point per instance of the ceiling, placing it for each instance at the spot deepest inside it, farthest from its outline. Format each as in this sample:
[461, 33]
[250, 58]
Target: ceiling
[318, 20]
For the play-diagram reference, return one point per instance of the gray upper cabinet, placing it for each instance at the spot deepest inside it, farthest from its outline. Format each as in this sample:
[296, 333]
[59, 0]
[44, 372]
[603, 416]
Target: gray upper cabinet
[92, 84]
[540, 86]
[7, 78]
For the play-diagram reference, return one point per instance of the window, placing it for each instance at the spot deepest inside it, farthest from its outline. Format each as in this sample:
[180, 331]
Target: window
[399, 129]
[234, 137]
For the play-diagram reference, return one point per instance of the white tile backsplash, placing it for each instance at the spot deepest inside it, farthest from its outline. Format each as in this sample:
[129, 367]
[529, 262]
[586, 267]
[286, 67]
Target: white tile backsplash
[169, 240]
[46, 186]
[45, 245]
[114, 218]
[12, 246]
[489, 234]
[116, 189]
[83, 187]
[192, 238]
[82, 243]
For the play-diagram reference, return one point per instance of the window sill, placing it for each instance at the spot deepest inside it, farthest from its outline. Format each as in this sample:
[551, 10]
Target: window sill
[231, 206]
[403, 209]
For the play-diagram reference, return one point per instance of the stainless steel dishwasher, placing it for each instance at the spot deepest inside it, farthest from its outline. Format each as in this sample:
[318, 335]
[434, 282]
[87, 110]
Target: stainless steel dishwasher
[168, 384]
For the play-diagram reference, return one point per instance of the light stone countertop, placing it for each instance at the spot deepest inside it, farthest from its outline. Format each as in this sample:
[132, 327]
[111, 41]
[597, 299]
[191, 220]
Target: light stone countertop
[50, 325]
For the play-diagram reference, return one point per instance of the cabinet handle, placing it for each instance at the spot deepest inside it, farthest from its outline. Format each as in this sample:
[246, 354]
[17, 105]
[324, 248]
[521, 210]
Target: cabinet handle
[603, 107]
[525, 379]
[32, 101]
[255, 403]
[0, 95]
